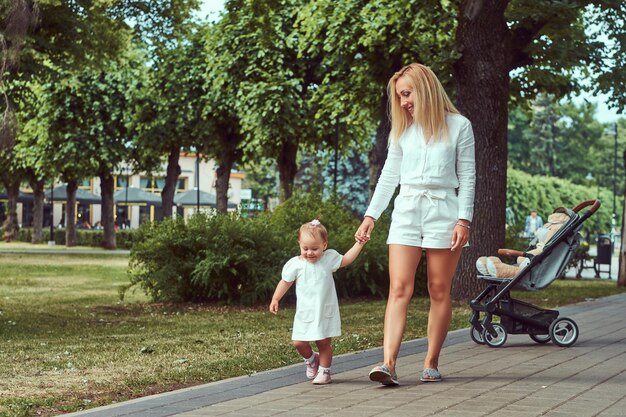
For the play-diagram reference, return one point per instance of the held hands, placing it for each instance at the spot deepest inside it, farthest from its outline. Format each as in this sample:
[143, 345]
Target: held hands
[364, 231]
[460, 235]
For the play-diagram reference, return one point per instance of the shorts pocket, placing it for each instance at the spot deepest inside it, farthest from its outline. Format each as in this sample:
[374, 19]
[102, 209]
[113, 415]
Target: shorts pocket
[305, 316]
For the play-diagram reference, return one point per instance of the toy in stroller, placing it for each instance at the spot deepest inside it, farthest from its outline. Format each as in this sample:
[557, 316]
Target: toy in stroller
[518, 317]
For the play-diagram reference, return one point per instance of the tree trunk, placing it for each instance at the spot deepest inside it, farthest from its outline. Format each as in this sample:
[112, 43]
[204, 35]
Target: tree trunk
[11, 226]
[621, 276]
[228, 155]
[378, 153]
[287, 168]
[171, 179]
[107, 187]
[70, 214]
[482, 85]
[38, 195]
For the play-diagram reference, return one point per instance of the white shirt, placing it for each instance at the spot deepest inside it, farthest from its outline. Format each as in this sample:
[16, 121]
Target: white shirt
[447, 163]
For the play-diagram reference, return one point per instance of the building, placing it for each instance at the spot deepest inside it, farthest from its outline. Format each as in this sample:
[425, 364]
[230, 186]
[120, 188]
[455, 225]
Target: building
[195, 174]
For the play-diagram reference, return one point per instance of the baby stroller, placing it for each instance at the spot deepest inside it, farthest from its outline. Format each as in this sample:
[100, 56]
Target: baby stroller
[518, 317]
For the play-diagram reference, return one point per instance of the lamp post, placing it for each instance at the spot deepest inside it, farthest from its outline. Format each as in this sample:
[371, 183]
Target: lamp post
[51, 241]
[336, 155]
[613, 131]
[197, 183]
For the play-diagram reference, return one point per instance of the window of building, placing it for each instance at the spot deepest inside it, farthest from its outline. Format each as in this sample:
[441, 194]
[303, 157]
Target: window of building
[156, 184]
[121, 181]
[85, 184]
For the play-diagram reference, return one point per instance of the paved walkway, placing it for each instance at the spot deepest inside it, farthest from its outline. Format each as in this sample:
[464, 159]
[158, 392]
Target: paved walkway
[521, 379]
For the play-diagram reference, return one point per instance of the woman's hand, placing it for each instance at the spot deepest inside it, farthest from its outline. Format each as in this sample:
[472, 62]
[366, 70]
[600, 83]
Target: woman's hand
[364, 231]
[460, 234]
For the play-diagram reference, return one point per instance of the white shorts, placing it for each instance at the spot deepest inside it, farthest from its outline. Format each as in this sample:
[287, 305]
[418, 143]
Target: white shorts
[424, 217]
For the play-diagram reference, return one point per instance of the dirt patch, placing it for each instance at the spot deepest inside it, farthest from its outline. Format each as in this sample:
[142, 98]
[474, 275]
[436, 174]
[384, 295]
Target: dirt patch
[96, 397]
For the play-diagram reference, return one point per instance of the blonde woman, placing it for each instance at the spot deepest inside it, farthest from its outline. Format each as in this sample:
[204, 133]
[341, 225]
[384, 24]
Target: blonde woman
[431, 156]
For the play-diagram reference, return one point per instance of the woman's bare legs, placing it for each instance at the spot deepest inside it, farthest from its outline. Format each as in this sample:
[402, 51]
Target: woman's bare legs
[441, 267]
[403, 261]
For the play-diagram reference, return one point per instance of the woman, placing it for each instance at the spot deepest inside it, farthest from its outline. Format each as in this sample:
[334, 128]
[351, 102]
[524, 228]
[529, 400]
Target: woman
[431, 156]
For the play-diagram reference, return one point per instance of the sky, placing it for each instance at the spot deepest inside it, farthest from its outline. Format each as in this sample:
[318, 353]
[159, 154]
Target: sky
[212, 8]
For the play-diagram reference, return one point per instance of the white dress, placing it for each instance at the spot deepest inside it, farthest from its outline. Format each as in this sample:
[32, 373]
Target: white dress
[317, 308]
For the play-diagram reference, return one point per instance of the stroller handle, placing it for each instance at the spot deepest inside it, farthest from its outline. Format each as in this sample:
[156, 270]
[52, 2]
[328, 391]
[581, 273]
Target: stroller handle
[595, 205]
[510, 252]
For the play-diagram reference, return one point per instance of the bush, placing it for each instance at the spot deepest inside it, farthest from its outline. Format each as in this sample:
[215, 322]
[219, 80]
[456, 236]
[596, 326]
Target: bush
[124, 238]
[368, 275]
[526, 192]
[242, 261]
[231, 259]
[164, 255]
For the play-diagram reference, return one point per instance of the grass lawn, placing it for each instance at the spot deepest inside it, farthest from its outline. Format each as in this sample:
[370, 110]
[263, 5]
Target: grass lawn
[69, 343]
[18, 246]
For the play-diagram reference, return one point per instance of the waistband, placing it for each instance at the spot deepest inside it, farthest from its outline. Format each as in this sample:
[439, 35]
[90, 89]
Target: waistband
[430, 193]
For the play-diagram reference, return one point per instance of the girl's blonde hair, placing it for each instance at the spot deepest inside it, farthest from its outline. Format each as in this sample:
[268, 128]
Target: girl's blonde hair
[314, 229]
[430, 102]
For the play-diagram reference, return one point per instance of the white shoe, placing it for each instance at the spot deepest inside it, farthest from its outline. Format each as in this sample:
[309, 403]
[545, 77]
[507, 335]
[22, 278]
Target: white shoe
[312, 367]
[323, 377]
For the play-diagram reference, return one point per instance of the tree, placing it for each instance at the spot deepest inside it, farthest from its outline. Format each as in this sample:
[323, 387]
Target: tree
[362, 43]
[38, 41]
[84, 119]
[561, 140]
[169, 119]
[542, 43]
[169, 116]
[278, 82]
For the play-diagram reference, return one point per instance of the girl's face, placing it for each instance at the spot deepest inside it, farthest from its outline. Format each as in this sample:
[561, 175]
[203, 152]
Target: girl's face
[311, 248]
[404, 90]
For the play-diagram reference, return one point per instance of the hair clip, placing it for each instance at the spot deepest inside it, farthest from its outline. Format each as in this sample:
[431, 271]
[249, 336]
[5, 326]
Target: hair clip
[315, 222]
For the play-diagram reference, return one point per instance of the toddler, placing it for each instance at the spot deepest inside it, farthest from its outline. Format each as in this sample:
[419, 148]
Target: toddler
[317, 309]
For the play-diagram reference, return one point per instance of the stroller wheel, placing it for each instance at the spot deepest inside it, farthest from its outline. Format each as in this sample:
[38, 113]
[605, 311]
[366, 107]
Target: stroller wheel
[476, 336]
[540, 338]
[495, 341]
[563, 332]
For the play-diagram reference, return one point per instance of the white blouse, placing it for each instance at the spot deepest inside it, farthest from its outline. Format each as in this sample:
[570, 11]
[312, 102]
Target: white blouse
[443, 164]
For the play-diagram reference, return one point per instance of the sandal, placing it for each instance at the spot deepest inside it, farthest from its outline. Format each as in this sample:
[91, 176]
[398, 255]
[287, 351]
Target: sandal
[430, 375]
[383, 375]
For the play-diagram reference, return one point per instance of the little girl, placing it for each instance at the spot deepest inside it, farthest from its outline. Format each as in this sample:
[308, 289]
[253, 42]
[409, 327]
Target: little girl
[317, 309]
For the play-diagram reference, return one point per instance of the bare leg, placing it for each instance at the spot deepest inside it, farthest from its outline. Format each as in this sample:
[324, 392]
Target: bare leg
[403, 261]
[441, 266]
[303, 348]
[325, 350]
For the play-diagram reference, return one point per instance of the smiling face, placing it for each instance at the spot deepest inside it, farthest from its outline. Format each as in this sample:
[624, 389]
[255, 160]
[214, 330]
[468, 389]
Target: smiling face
[406, 95]
[311, 247]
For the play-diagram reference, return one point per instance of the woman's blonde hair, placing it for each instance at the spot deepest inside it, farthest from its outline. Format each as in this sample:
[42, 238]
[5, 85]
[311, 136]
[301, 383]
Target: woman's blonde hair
[430, 102]
[315, 229]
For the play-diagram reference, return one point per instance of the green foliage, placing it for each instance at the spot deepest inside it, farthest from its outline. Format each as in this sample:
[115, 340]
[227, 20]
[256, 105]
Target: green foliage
[226, 258]
[238, 260]
[241, 262]
[368, 275]
[165, 255]
[526, 192]
[91, 238]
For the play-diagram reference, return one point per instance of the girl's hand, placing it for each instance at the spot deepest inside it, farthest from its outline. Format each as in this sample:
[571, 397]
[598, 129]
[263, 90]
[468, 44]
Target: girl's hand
[274, 307]
[364, 231]
[460, 235]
